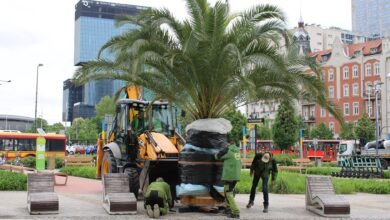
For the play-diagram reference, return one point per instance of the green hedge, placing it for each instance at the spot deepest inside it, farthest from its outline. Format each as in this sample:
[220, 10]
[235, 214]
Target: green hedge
[294, 183]
[86, 172]
[284, 159]
[10, 181]
[30, 162]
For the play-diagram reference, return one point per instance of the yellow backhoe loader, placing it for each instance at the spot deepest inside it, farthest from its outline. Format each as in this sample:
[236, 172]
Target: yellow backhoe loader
[142, 142]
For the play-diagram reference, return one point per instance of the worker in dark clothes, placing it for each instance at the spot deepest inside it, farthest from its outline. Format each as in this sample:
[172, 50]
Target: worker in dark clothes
[158, 198]
[262, 165]
[230, 176]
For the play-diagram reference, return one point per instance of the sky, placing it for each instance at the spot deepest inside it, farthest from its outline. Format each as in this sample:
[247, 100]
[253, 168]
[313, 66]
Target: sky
[34, 32]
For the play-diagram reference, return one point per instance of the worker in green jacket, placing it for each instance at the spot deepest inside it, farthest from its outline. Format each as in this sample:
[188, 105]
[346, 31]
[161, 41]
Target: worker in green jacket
[262, 165]
[158, 198]
[230, 176]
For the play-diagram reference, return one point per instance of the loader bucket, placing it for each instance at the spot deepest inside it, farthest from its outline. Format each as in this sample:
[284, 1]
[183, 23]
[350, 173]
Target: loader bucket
[165, 168]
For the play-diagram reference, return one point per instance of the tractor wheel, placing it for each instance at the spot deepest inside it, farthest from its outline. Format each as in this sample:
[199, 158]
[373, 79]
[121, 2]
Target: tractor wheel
[133, 180]
[108, 163]
[384, 164]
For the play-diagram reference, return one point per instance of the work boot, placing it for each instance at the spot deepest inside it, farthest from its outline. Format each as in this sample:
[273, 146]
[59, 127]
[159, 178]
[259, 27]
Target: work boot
[149, 211]
[156, 211]
[237, 216]
[265, 210]
[250, 204]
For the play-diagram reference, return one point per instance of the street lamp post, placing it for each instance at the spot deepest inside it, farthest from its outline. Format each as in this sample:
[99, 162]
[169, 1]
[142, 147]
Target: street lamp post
[377, 90]
[36, 97]
[369, 100]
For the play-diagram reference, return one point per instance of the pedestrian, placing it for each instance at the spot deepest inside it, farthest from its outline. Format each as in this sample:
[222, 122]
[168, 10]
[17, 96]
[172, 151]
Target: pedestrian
[158, 198]
[230, 176]
[262, 165]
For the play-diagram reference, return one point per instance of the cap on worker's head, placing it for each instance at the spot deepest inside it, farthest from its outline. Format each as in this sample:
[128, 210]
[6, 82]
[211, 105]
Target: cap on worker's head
[265, 157]
[159, 179]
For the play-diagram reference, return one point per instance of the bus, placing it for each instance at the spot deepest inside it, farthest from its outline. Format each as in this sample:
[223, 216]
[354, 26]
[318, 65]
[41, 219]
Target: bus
[326, 149]
[24, 144]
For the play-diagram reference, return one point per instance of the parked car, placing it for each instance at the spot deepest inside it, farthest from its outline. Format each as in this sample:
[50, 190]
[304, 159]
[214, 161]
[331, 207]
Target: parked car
[70, 150]
[80, 149]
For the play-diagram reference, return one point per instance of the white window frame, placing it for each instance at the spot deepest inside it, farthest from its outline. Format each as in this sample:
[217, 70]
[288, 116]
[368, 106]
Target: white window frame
[346, 90]
[355, 89]
[368, 69]
[376, 69]
[331, 75]
[331, 126]
[355, 107]
[355, 73]
[345, 73]
[331, 95]
[346, 107]
[323, 112]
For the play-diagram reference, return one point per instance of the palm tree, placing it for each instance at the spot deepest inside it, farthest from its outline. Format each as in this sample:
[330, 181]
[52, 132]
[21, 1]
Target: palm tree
[212, 60]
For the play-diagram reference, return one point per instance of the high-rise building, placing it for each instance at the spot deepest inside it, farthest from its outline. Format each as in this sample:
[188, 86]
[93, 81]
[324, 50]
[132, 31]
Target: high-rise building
[371, 17]
[94, 26]
[71, 94]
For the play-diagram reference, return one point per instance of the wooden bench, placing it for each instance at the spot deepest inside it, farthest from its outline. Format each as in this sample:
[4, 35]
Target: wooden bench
[322, 199]
[79, 161]
[41, 198]
[304, 162]
[117, 198]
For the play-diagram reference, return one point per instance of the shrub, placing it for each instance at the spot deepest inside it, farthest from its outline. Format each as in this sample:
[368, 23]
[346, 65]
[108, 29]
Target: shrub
[86, 172]
[28, 162]
[325, 171]
[10, 181]
[59, 162]
[284, 159]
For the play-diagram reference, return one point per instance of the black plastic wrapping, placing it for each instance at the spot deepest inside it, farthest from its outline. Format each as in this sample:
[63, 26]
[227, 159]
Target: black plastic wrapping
[206, 139]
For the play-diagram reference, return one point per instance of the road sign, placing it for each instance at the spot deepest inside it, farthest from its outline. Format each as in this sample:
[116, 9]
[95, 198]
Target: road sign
[255, 120]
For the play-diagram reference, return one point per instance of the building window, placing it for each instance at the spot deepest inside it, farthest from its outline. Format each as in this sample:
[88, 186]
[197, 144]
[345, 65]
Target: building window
[355, 89]
[331, 75]
[331, 92]
[346, 108]
[368, 69]
[323, 112]
[346, 90]
[346, 73]
[331, 126]
[356, 108]
[355, 72]
[376, 69]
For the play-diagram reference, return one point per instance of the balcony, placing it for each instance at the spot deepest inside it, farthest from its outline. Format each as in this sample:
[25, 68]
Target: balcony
[310, 119]
[371, 94]
[308, 103]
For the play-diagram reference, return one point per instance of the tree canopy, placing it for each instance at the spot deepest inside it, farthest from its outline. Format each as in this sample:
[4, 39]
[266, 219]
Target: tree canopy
[212, 60]
[285, 127]
[365, 129]
[321, 132]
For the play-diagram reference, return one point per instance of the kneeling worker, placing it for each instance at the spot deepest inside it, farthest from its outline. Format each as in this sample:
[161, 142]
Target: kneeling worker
[158, 198]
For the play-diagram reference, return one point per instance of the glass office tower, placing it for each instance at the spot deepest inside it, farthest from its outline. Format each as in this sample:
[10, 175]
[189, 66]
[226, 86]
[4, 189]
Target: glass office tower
[371, 17]
[94, 26]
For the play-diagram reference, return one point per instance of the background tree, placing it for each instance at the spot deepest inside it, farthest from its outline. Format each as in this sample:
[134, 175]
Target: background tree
[83, 131]
[365, 129]
[214, 58]
[304, 127]
[105, 106]
[39, 123]
[263, 132]
[347, 131]
[321, 132]
[56, 127]
[285, 127]
[238, 121]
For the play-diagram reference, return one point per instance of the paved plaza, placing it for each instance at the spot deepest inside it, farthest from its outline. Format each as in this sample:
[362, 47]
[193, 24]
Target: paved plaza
[82, 199]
